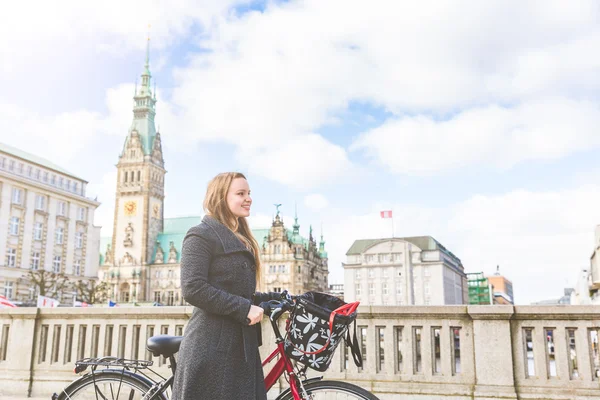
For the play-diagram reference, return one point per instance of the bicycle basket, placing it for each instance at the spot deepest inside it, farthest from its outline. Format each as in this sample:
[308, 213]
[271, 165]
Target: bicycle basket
[316, 326]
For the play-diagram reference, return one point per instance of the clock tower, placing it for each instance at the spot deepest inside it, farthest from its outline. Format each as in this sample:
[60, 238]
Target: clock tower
[140, 189]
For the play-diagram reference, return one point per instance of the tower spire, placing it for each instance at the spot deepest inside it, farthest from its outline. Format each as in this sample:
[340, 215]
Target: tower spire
[296, 226]
[148, 49]
[322, 242]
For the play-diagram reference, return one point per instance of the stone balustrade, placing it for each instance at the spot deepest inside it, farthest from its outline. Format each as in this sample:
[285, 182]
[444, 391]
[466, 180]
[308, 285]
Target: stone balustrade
[433, 352]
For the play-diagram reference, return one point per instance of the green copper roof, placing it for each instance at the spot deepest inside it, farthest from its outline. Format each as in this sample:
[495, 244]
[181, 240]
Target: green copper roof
[165, 240]
[35, 159]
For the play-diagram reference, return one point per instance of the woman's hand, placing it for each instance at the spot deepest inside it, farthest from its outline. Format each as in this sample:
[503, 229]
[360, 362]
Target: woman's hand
[255, 315]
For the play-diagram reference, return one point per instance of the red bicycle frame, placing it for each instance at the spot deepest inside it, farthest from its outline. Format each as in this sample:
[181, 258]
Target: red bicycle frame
[282, 365]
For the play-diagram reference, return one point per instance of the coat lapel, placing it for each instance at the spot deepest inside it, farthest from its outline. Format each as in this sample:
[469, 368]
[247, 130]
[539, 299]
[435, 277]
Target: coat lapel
[229, 241]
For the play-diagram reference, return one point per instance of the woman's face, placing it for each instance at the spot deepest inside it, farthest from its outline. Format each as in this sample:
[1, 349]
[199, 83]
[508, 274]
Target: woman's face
[238, 198]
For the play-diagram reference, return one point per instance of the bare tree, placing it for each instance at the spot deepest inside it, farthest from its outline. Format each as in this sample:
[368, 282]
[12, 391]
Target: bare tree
[91, 291]
[47, 283]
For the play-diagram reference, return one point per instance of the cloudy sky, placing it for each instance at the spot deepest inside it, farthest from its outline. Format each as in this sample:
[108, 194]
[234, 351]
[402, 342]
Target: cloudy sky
[476, 122]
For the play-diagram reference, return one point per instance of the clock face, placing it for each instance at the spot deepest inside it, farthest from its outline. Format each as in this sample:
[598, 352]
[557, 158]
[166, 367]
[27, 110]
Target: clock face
[130, 208]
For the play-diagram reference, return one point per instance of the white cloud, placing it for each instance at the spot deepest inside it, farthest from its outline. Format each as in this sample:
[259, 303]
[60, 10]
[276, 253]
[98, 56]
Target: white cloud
[58, 137]
[315, 201]
[257, 89]
[104, 191]
[541, 240]
[301, 162]
[260, 91]
[501, 136]
[112, 26]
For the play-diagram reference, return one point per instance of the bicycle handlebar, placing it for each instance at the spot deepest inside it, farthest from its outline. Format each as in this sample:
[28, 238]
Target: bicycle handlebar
[276, 308]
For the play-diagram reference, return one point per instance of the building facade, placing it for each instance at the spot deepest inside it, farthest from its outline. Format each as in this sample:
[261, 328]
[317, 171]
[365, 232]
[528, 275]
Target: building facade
[141, 260]
[502, 288]
[46, 223]
[403, 271]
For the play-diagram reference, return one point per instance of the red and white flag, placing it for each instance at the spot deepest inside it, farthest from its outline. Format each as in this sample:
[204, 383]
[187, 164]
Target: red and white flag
[4, 302]
[386, 214]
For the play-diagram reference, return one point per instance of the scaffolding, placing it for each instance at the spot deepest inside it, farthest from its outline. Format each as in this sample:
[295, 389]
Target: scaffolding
[479, 289]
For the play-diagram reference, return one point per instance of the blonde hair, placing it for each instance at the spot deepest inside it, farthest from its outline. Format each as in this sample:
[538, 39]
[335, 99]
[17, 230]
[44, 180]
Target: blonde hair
[215, 205]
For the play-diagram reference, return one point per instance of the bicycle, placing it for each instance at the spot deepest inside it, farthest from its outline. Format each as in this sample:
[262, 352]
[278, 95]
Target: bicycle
[128, 379]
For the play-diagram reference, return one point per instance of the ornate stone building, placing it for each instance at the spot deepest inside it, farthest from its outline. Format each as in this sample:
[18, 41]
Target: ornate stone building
[290, 261]
[141, 259]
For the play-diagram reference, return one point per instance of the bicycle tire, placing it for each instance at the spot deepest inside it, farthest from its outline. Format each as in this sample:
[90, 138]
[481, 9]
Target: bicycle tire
[323, 387]
[112, 384]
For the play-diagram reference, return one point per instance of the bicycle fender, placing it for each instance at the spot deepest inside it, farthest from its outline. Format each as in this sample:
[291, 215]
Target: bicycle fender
[288, 390]
[88, 375]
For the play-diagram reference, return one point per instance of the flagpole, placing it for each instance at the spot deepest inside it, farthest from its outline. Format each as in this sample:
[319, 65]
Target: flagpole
[392, 224]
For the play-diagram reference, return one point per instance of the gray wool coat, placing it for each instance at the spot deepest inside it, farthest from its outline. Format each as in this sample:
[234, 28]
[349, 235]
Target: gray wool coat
[218, 358]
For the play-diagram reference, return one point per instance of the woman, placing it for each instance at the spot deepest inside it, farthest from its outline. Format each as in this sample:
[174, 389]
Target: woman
[220, 266]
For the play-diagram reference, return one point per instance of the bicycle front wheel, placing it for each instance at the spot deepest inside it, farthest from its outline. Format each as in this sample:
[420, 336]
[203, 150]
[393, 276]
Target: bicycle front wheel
[107, 385]
[332, 390]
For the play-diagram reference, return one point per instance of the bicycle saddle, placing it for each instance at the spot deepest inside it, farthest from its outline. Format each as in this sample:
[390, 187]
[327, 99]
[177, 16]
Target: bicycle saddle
[163, 345]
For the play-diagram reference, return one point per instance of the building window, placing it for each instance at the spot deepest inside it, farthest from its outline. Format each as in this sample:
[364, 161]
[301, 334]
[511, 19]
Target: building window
[56, 264]
[17, 196]
[40, 202]
[8, 289]
[371, 273]
[272, 269]
[75, 187]
[426, 271]
[77, 267]
[299, 269]
[62, 208]
[157, 274]
[369, 258]
[81, 214]
[384, 288]
[29, 171]
[11, 165]
[170, 274]
[282, 269]
[53, 180]
[46, 177]
[371, 289]
[384, 273]
[357, 274]
[14, 225]
[59, 235]
[277, 290]
[78, 240]
[38, 229]
[170, 298]
[60, 182]
[384, 258]
[21, 166]
[2, 160]
[357, 289]
[68, 184]
[427, 289]
[35, 261]
[157, 297]
[11, 257]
